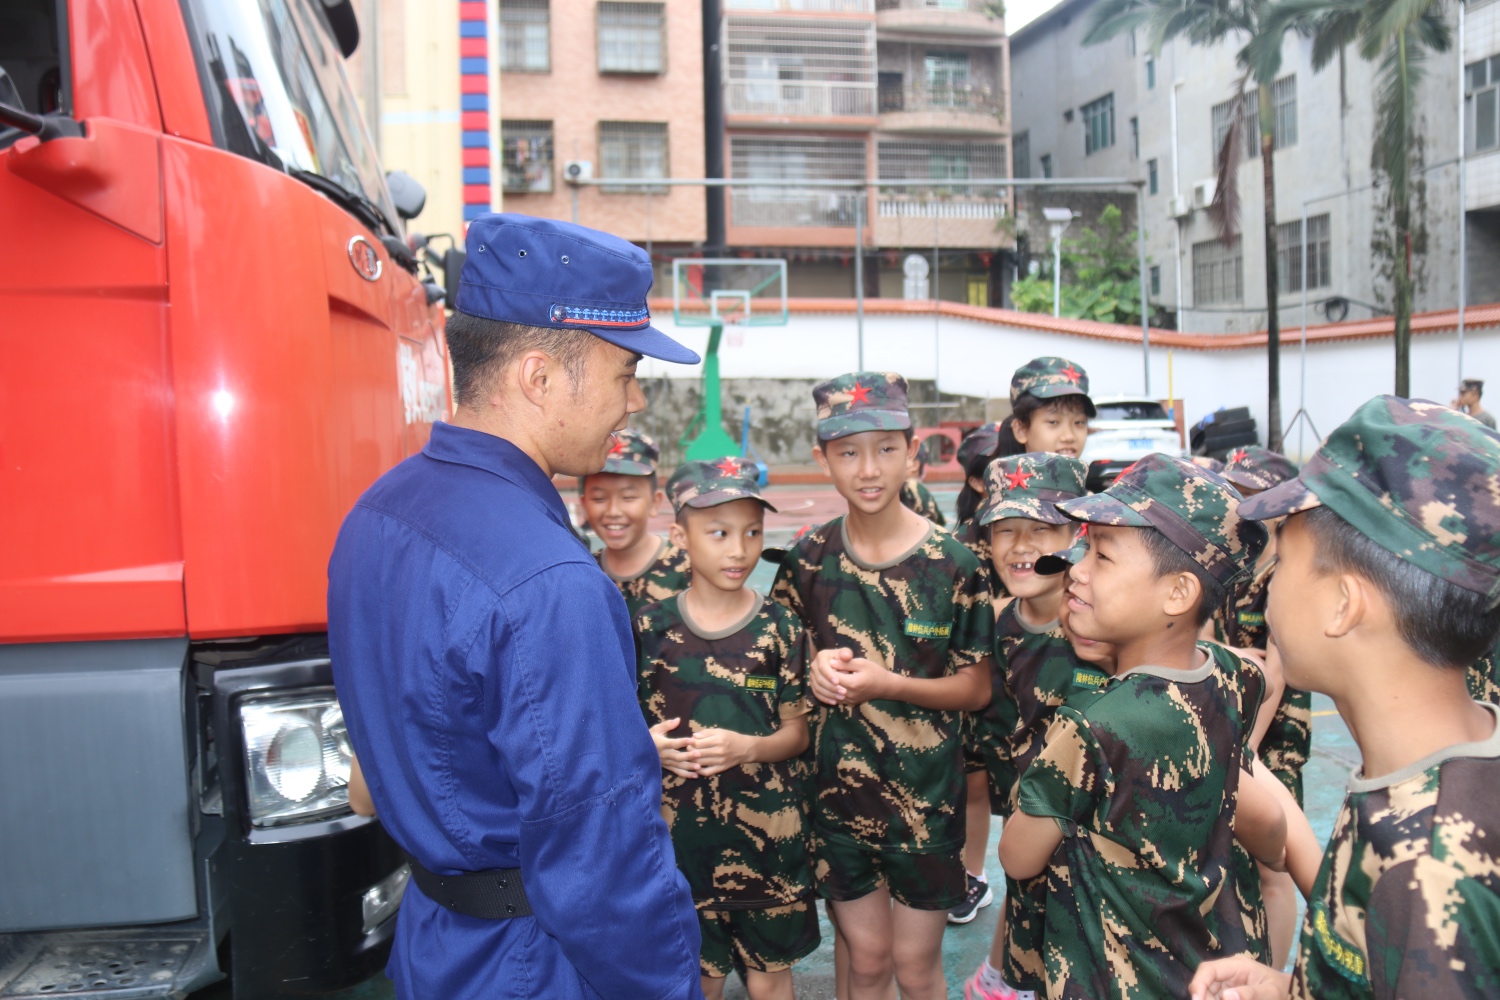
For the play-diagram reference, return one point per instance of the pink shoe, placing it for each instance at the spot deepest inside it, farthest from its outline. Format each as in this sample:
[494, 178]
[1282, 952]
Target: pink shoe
[974, 989]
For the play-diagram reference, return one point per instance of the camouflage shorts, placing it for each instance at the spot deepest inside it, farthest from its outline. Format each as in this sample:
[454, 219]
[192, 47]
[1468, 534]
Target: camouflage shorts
[766, 940]
[846, 872]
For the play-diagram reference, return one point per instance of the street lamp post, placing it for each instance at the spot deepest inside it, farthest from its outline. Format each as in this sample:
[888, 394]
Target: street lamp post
[1058, 220]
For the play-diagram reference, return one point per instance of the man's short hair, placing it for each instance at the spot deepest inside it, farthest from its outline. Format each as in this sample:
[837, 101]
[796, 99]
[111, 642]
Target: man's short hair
[480, 349]
[1444, 624]
[1028, 406]
[1168, 560]
[1474, 385]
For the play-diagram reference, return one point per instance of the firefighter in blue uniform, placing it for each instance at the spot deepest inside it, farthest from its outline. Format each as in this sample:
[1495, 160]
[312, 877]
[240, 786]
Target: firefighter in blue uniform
[485, 662]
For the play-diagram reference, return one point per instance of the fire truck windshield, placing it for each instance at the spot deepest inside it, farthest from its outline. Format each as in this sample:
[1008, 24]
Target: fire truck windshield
[276, 92]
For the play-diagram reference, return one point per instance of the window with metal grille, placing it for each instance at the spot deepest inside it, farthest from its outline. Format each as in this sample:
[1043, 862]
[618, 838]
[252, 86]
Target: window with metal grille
[1021, 155]
[799, 66]
[1098, 124]
[631, 38]
[526, 155]
[632, 149]
[1284, 111]
[947, 78]
[1223, 115]
[1482, 105]
[1218, 273]
[786, 158]
[937, 160]
[525, 43]
[1289, 254]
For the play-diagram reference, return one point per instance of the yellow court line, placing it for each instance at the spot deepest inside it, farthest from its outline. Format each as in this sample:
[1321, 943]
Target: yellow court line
[1330, 711]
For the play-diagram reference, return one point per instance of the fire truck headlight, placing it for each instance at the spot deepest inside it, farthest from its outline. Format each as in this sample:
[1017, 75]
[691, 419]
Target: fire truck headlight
[297, 756]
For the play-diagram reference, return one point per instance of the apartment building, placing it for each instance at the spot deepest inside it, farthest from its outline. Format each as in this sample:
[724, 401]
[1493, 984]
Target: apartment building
[869, 91]
[1120, 110]
[615, 86]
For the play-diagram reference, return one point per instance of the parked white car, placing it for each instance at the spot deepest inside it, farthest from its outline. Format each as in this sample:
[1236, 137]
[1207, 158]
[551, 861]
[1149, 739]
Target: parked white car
[1127, 428]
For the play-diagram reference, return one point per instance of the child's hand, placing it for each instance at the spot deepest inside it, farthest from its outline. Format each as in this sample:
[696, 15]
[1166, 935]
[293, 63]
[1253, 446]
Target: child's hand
[863, 680]
[1239, 978]
[674, 754]
[716, 750]
[824, 675]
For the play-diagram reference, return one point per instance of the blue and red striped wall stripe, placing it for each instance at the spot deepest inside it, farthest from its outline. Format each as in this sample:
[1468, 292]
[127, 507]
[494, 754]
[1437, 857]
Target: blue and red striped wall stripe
[474, 102]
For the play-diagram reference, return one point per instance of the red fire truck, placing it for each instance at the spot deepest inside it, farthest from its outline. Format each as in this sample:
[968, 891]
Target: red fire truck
[213, 337]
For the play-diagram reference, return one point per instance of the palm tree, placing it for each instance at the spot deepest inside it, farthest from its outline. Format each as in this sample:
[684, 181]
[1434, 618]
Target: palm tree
[1209, 22]
[1399, 33]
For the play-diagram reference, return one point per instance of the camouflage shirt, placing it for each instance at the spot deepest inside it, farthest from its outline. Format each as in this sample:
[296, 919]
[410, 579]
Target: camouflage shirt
[919, 498]
[1144, 780]
[889, 774]
[1407, 900]
[1484, 685]
[668, 574]
[740, 835]
[1287, 744]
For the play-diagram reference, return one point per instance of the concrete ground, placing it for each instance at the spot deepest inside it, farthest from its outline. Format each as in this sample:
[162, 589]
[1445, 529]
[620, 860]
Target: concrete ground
[964, 947]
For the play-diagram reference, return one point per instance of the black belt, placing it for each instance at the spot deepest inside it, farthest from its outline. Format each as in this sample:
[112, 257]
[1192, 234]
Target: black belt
[492, 895]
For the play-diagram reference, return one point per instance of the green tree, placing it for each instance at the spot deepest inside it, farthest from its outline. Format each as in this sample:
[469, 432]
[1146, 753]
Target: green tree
[1398, 34]
[1100, 280]
[1209, 22]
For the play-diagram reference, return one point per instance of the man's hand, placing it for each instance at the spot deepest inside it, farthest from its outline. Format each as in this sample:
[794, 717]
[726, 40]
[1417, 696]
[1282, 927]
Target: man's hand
[863, 680]
[825, 677]
[716, 750]
[1239, 978]
[674, 754]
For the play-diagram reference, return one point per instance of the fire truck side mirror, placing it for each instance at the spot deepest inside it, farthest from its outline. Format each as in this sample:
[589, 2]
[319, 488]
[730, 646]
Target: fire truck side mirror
[407, 194]
[453, 266]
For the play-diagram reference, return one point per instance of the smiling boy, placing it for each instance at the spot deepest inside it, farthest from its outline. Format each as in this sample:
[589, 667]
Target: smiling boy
[900, 616]
[1139, 787]
[618, 504]
[722, 675]
[1050, 406]
[1386, 590]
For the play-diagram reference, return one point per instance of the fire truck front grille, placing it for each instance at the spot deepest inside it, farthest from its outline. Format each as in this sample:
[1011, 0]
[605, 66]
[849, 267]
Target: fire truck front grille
[119, 965]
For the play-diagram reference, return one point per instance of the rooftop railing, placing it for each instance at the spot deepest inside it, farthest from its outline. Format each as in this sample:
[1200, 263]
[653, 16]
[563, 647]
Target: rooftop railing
[940, 97]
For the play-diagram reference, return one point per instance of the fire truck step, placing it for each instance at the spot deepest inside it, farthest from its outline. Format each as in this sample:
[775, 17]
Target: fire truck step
[119, 965]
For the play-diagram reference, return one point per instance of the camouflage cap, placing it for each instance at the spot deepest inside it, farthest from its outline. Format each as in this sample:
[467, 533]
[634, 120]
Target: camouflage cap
[708, 484]
[1030, 486]
[1194, 508]
[1054, 563]
[1048, 378]
[861, 401]
[632, 454]
[982, 440]
[1208, 462]
[1418, 479]
[1257, 468]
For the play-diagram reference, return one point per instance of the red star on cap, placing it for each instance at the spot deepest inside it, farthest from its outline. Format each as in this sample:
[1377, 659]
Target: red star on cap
[1019, 478]
[860, 393]
[1239, 456]
[729, 467]
[618, 448]
[1070, 373]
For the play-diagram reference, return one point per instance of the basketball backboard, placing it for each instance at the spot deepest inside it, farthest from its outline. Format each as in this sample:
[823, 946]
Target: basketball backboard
[708, 291]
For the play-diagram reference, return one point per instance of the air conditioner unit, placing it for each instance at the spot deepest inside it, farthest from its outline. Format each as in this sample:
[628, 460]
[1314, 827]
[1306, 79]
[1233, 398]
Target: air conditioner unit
[1179, 207]
[1203, 193]
[578, 170]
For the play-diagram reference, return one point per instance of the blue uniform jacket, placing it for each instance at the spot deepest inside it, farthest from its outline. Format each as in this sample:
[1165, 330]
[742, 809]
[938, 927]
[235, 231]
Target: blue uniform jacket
[486, 668]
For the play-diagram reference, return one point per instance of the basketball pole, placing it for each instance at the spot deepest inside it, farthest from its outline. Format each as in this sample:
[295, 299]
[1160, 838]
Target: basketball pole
[713, 441]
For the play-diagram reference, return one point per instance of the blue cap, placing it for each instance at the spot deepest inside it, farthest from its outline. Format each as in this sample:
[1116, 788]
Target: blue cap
[555, 275]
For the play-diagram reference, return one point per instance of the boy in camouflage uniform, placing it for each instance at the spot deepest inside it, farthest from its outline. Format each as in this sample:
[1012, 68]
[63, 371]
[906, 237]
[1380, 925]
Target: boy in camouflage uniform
[1140, 787]
[618, 503]
[1050, 408]
[1386, 589]
[1036, 672]
[900, 616]
[722, 680]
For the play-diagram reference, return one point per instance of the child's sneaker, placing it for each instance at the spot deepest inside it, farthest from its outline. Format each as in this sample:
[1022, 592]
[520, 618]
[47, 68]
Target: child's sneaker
[986, 984]
[979, 895]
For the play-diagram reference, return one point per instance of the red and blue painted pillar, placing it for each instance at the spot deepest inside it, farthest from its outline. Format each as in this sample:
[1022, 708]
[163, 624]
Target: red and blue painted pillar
[476, 73]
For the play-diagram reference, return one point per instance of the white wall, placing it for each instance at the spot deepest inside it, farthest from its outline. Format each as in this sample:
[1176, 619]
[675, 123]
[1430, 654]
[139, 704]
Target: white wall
[976, 358]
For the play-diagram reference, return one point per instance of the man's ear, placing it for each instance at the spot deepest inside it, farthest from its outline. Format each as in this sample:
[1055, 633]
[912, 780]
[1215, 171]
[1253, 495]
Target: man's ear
[534, 373]
[677, 535]
[1183, 595]
[822, 459]
[1354, 605]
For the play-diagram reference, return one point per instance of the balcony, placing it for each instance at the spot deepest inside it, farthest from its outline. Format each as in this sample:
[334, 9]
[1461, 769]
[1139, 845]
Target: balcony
[789, 208]
[960, 221]
[781, 99]
[811, 72]
[970, 19]
[954, 109]
[801, 6]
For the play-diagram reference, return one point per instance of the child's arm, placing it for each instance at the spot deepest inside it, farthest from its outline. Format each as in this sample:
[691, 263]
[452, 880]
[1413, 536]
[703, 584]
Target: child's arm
[1259, 821]
[841, 678]
[1027, 844]
[674, 757]
[715, 750]
[1304, 856]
